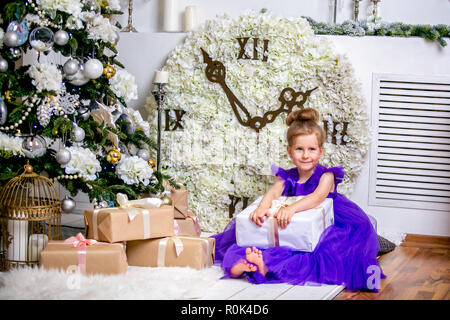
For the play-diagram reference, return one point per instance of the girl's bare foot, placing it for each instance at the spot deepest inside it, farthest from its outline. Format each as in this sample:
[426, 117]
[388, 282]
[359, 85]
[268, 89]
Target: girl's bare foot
[253, 255]
[242, 266]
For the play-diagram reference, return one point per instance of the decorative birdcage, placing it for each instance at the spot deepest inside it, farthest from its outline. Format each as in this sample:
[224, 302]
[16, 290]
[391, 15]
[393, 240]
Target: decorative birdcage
[30, 216]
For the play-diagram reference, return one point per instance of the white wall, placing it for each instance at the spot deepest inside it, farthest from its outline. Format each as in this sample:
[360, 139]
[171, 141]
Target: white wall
[145, 51]
[147, 13]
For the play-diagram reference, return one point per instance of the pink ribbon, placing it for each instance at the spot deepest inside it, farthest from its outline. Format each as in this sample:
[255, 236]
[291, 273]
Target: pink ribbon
[176, 227]
[196, 226]
[80, 242]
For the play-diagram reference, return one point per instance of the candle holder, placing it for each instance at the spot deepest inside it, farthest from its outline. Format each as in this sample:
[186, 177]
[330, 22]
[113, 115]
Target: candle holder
[375, 9]
[356, 9]
[333, 4]
[159, 94]
[129, 27]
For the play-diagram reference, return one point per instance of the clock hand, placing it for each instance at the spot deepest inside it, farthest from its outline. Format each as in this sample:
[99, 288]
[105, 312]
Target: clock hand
[215, 72]
[288, 98]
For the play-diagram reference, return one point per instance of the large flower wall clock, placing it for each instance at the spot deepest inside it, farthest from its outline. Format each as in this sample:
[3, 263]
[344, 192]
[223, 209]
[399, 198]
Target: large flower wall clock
[231, 85]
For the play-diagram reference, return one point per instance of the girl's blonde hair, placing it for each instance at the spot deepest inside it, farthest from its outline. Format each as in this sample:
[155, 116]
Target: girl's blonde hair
[304, 122]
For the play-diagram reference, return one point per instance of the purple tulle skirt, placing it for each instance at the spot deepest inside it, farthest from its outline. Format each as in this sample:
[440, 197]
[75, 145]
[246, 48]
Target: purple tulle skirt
[346, 254]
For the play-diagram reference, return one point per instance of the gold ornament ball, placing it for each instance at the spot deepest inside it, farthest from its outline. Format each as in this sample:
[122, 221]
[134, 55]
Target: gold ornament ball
[167, 200]
[109, 71]
[113, 156]
[152, 163]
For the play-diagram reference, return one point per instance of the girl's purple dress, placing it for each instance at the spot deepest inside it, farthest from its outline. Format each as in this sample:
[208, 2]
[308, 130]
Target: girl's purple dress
[345, 255]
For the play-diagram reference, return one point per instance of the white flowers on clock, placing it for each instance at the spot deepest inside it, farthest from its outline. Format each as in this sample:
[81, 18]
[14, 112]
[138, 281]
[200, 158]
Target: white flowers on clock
[214, 155]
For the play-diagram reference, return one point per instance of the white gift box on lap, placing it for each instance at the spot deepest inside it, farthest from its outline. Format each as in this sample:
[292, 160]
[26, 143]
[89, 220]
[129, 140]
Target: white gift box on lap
[302, 233]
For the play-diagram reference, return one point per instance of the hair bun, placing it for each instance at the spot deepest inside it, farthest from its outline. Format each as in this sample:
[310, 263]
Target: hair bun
[307, 114]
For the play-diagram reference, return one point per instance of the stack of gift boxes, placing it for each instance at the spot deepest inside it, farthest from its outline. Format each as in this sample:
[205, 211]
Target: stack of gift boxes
[141, 232]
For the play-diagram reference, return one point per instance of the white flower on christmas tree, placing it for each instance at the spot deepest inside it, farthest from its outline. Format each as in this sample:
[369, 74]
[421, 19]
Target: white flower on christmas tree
[32, 19]
[113, 5]
[45, 76]
[102, 29]
[72, 7]
[74, 23]
[82, 162]
[134, 170]
[10, 144]
[123, 84]
[138, 122]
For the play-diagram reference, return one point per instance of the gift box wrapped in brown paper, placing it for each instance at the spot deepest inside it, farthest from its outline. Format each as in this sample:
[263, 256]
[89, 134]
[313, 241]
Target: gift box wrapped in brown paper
[177, 251]
[179, 201]
[102, 258]
[123, 224]
[188, 226]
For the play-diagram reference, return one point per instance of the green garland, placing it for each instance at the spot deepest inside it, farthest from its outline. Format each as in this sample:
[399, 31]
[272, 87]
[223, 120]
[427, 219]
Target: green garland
[395, 29]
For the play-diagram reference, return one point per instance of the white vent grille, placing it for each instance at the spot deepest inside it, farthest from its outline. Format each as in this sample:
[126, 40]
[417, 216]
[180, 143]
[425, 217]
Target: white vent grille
[410, 159]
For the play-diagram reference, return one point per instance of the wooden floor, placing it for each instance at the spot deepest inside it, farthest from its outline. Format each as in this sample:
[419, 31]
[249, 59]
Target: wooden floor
[419, 269]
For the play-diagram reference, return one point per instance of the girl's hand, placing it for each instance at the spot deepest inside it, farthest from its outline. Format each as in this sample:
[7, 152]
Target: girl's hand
[284, 216]
[258, 215]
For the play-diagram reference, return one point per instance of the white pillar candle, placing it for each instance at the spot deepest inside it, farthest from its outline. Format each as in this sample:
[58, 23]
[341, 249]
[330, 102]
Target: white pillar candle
[161, 77]
[36, 244]
[17, 249]
[190, 18]
[171, 21]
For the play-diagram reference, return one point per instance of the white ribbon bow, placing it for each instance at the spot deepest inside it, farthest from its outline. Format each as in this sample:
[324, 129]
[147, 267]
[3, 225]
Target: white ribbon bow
[124, 203]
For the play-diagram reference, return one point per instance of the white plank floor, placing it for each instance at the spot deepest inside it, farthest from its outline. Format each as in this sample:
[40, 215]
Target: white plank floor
[241, 289]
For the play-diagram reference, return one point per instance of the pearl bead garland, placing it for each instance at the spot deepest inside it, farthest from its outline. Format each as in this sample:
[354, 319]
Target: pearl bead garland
[19, 122]
[44, 21]
[70, 177]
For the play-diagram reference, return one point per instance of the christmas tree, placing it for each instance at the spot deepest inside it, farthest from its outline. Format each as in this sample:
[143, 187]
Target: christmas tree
[66, 112]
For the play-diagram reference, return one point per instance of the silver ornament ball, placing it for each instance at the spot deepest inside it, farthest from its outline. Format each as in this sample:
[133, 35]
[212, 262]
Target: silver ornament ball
[84, 113]
[3, 112]
[79, 78]
[71, 67]
[143, 154]
[78, 134]
[33, 147]
[63, 156]
[11, 39]
[68, 204]
[61, 37]
[129, 126]
[3, 65]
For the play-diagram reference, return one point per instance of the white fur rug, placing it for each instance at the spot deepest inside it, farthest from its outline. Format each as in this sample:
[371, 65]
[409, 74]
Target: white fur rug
[141, 283]
[137, 283]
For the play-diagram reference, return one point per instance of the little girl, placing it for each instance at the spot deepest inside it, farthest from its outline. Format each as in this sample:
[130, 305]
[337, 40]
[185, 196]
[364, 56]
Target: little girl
[347, 251]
